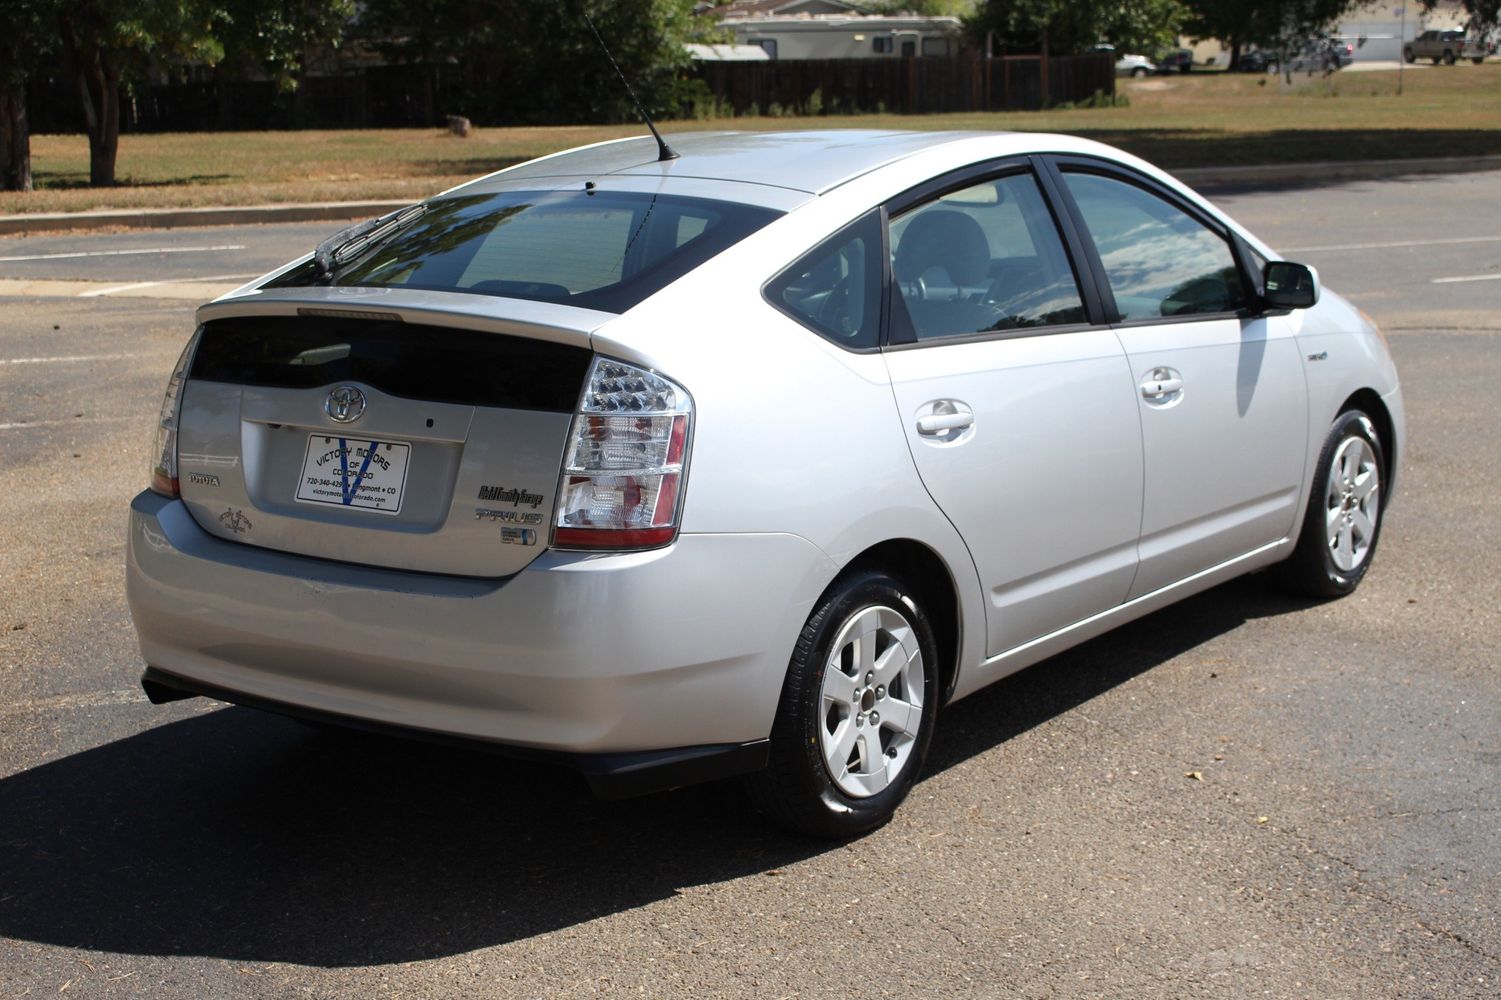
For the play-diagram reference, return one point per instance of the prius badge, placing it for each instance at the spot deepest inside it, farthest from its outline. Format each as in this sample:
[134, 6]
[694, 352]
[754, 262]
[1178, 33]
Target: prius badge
[345, 404]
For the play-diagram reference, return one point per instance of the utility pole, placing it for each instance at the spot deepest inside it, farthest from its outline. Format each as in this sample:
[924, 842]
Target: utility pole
[1401, 46]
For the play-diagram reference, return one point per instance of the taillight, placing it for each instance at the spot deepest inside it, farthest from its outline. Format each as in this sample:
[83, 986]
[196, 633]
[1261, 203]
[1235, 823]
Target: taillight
[622, 482]
[164, 455]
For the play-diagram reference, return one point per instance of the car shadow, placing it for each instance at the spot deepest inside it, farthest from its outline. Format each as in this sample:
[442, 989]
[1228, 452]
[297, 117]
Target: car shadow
[245, 836]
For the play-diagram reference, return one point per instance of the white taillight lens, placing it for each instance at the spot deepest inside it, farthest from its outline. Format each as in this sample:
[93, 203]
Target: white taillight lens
[627, 454]
[164, 454]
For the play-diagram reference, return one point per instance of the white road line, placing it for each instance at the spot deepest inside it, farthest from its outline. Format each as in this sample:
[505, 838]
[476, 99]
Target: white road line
[135, 286]
[22, 425]
[120, 253]
[67, 359]
[1472, 277]
[1397, 244]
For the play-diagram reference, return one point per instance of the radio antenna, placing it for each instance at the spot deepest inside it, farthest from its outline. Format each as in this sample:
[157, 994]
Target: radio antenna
[664, 151]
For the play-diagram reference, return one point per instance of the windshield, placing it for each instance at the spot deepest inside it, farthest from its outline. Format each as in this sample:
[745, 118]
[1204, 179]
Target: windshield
[595, 249]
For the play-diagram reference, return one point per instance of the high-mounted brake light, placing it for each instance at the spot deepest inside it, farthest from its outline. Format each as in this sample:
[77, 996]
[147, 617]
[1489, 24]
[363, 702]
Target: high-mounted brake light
[622, 482]
[164, 455]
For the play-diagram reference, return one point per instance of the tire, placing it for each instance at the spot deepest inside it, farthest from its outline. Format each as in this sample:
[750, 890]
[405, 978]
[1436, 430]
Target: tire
[1139, 73]
[867, 628]
[1345, 506]
[1437, 60]
[1448, 58]
[1409, 55]
[1477, 60]
[1272, 68]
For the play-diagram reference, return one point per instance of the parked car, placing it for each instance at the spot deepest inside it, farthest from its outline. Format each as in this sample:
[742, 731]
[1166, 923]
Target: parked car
[1128, 65]
[1444, 46]
[747, 461]
[1320, 56]
[1175, 61]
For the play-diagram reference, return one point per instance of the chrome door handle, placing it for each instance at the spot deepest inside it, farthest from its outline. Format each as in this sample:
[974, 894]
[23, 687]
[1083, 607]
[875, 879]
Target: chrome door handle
[938, 423]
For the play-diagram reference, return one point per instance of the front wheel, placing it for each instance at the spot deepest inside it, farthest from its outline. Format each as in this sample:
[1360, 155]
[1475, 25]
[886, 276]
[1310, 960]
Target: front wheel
[1343, 522]
[1139, 73]
[857, 711]
[1409, 55]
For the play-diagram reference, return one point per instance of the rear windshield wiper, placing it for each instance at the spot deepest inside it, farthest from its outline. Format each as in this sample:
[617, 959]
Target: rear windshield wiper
[349, 244]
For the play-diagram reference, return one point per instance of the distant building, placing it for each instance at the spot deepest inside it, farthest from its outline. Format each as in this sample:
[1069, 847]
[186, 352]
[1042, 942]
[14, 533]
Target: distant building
[1378, 30]
[827, 29]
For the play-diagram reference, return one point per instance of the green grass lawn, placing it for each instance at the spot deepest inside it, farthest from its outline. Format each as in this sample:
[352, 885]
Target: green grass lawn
[1203, 119]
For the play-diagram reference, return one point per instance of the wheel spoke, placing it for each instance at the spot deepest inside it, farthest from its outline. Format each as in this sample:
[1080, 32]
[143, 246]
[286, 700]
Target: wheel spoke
[872, 760]
[838, 746]
[1344, 552]
[899, 716]
[1366, 484]
[1363, 525]
[838, 686]
[891, 662]
[1332, 517]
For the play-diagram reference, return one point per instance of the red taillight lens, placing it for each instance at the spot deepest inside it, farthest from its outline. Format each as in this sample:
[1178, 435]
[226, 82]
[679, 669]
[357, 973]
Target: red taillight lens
[622, 479]
[164, 454]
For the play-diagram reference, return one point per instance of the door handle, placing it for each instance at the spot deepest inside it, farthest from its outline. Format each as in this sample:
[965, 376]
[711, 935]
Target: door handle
[939, 423]
[1161, 383]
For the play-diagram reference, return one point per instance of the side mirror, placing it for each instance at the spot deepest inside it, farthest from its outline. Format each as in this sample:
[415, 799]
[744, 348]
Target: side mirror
[1289, 286]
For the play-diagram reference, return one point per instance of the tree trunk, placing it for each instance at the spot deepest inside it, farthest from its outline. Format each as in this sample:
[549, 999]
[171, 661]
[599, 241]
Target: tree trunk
[1234, 54]
[98, 82]
[15, 141]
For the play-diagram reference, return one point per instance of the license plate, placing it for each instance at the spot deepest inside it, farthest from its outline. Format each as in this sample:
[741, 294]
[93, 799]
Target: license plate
[354, 472]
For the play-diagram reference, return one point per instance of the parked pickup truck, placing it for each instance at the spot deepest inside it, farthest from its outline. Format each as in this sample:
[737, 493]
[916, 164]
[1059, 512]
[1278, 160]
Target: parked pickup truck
[1444, 46]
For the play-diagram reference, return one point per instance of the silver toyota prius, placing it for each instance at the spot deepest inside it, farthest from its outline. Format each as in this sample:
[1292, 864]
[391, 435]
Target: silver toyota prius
[748, 460]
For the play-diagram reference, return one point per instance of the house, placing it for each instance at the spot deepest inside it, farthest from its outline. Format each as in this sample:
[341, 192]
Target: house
[828, 29]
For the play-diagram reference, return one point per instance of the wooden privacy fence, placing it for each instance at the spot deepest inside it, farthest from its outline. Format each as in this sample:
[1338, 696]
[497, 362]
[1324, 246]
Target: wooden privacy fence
[911, 86]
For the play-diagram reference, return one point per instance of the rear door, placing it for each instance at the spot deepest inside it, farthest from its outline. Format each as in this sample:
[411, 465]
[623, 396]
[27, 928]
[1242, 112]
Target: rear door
[1219, 391]
[1019, 414]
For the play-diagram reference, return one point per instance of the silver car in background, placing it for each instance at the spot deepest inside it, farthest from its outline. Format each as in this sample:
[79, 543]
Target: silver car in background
[746, 461]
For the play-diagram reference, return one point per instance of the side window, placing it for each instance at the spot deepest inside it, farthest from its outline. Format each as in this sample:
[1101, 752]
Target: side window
[881, 44]
[1160, 260]
[835, 289]
[984, 259]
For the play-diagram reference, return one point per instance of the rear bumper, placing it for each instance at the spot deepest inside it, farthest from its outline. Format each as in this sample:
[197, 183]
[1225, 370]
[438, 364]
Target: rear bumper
[610, 775]
[658, 655]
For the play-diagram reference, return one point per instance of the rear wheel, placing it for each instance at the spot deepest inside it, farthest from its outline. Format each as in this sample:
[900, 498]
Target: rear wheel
[1477, 60]
[1139, 73]
[857, 711]
[1448, 58]
[1343, 522]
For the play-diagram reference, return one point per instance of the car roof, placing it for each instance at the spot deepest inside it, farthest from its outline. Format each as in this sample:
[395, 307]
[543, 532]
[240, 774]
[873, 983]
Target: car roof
[809, 161]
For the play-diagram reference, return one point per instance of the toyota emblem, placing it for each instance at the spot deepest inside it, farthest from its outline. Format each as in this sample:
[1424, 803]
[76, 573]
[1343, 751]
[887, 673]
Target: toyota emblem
[345, 404]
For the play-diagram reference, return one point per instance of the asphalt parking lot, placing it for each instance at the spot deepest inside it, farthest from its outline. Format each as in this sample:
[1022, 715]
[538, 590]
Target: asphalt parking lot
[1243, 795]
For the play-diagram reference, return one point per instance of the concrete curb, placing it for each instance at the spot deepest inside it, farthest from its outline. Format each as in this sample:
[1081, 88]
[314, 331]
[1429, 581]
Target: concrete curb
[244, 215]
[174, 218]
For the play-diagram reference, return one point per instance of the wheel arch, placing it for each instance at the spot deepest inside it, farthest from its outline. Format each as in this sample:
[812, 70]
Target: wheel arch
[925, 571]
[1368, 401]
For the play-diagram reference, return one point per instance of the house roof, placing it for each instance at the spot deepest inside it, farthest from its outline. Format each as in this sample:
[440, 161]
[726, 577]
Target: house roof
[764, 8]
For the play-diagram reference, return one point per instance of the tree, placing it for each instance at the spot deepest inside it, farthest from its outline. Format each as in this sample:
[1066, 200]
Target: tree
[281, 35]
[1071, 26]
[536, 60]
[1484, 15]
[24, 40]
[105, 41]
[1276, 25]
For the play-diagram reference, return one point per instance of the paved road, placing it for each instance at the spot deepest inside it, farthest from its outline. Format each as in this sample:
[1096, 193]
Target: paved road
[1343, 840]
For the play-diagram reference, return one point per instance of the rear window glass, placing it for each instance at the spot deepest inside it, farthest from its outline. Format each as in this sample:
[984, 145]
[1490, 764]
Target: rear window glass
[597, 250]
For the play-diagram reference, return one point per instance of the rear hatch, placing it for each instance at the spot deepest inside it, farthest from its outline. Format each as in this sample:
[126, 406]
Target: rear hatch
[378, 441]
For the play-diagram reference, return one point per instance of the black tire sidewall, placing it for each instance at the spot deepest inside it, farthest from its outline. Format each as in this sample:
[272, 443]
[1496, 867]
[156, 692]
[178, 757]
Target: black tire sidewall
[829, 810]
